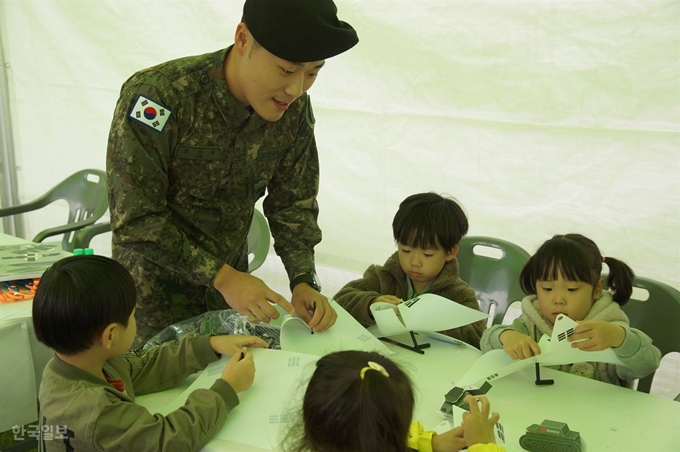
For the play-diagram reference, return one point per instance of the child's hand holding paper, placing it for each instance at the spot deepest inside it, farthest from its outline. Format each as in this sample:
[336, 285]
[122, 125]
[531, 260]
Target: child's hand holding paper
[596, 335]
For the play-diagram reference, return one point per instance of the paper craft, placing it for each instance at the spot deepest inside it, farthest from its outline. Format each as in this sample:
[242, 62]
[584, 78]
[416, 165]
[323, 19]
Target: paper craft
[456, 397]
[346, 334]
[427, 312]
[28, 260]
[266, 408]
[551, 435]
[555, 351]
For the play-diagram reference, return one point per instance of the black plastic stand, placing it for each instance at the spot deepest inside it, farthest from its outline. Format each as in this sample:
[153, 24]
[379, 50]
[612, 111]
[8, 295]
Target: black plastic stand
[538, 381]
[416, 347]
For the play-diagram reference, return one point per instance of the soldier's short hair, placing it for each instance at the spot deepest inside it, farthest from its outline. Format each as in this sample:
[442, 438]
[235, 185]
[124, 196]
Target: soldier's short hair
[77, 298]
[430, 220]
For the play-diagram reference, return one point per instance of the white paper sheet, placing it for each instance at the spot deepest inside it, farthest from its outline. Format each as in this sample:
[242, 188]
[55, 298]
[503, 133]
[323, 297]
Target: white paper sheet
[265, 408]
[346, 334]
[427, 312]
[554, 351]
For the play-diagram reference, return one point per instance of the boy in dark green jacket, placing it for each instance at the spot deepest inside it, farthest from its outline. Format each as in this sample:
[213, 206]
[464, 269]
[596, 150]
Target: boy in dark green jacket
[427, 228]
[84, 310]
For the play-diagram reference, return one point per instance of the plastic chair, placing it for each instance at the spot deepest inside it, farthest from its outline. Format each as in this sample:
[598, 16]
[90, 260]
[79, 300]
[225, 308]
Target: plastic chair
[258, 241]
[494, 279]
[658, 317]
[82, 238]
[86, 194]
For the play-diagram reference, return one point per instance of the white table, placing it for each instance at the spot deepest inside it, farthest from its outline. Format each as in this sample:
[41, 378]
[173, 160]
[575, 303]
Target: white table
[609, 418]
[22, 359]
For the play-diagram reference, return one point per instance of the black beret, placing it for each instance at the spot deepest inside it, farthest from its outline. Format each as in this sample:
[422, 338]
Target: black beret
[299, 31]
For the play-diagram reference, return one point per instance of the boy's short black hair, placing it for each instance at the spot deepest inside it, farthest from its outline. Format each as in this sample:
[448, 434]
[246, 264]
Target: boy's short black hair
[429, 220]
[77, 298]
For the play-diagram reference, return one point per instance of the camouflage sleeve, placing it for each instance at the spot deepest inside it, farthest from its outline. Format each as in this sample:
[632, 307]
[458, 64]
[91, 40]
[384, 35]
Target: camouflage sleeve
[291, 205]
[138, 158]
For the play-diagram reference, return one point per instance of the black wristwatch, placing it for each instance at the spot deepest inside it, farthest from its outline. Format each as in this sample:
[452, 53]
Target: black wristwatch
[309, 278]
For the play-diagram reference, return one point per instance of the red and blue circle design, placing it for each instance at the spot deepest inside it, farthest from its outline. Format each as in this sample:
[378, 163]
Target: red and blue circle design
[150, 113]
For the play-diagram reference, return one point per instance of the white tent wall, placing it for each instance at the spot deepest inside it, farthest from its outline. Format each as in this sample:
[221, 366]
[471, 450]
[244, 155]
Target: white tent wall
[539, 116]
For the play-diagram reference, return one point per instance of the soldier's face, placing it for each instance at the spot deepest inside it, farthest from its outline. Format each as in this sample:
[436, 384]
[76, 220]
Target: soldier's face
[270, 84]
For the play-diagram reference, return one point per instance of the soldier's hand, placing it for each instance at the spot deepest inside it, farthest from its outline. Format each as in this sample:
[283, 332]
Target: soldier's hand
[313, 307]
[249, 295]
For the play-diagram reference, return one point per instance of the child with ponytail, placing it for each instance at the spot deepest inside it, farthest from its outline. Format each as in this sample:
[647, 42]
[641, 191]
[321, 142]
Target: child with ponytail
[359, 401]
[564, 278]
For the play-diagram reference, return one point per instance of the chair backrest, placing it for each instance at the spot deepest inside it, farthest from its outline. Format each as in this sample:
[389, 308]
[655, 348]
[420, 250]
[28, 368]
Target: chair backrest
[258, 241]
[82, 237]
[491, 267]
[658, 316]
[86, 194]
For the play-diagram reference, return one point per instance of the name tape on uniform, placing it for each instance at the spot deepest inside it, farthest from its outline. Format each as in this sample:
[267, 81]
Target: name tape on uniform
[150, 113]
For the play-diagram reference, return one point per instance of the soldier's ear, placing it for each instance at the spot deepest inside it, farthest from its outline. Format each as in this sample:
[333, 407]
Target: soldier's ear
[241, 38]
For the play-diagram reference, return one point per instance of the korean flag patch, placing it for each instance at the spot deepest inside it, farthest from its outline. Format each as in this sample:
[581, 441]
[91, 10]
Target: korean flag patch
[150, 113]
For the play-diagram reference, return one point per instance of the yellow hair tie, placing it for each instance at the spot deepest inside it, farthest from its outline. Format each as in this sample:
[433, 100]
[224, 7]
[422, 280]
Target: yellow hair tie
[373, 366]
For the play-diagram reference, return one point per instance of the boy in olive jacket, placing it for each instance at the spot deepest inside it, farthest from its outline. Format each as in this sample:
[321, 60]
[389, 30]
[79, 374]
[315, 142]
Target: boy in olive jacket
[84, 310]
[427, 228]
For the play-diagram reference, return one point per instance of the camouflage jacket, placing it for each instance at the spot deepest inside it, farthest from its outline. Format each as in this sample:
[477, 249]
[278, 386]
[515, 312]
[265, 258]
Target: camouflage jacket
[183, 197]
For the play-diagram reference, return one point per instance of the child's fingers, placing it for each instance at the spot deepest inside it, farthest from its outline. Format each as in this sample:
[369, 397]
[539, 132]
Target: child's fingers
[535, 349]
[525, 352]
[253, 341]
[247, 357]
[486, 407]
[495, 417]
[458, 431]
[236, 357]
[472, 402]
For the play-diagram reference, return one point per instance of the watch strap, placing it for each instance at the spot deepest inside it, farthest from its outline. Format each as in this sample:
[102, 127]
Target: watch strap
[309, 278]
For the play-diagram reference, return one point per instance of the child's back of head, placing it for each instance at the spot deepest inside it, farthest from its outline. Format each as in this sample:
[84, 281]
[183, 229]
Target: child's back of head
[429, 220]
[355, 402]
[77, 298]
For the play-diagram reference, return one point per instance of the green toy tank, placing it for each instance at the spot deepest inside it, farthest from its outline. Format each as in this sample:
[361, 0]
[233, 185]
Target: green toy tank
[550, 436]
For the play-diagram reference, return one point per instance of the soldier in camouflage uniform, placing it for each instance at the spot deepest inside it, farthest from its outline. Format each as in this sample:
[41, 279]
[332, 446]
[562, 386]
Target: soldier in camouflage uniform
[195, 142]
